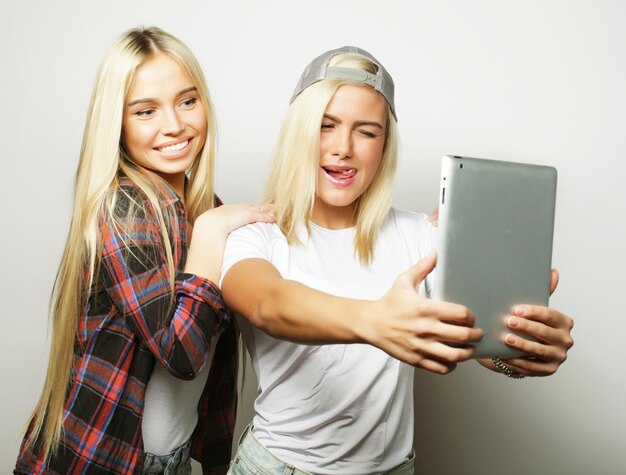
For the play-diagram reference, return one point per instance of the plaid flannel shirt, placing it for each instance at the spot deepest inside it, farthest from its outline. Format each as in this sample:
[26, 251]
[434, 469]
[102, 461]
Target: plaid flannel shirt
[127, 325]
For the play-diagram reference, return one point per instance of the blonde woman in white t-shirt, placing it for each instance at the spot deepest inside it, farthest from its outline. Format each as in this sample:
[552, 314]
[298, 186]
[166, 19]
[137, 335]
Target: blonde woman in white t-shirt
[333, 269]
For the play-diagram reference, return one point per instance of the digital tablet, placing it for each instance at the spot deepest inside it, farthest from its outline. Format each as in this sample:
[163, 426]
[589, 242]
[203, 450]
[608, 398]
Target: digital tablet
[496, 222]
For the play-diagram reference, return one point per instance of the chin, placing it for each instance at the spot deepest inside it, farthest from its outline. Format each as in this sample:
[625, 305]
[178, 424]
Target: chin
[336, 202]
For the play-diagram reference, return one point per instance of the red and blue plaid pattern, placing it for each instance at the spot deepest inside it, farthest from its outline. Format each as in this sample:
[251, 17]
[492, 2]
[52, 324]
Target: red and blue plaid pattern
[128, 324]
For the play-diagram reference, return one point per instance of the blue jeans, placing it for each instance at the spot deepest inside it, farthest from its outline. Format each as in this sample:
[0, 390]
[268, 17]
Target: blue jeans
[252, 458]
[177, 462]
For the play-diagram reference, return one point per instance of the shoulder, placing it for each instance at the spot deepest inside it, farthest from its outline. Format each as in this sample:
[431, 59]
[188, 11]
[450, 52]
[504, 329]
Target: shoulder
[129, 214]
[255, 234]
[127, 195]
[129, 192]
[408, 219]
[252, 241]
[412, 226]
[128, 199]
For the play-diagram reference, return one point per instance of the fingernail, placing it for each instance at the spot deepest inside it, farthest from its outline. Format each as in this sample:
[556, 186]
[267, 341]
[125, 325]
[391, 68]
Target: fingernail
[510, 338]
[514, 322]
[520, 310]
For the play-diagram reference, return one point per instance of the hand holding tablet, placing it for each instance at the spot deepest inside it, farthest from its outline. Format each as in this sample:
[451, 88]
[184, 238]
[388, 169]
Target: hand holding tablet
[496, 223]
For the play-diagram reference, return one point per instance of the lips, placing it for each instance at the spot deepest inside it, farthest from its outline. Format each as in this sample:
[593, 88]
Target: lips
[340, 176]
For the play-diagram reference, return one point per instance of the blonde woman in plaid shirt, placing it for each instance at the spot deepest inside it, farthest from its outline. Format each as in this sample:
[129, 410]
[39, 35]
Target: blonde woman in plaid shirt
[134, 292]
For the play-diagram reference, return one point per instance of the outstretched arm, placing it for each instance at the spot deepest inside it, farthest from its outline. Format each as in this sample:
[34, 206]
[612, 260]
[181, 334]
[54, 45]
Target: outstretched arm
[402, 323]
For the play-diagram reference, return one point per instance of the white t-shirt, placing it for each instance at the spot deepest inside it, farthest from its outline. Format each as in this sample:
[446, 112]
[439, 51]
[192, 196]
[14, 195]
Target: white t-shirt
[170, 412]
[333, 409]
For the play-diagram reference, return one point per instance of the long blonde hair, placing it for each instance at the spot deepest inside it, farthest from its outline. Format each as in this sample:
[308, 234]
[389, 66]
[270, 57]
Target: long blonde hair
[103, 161]
[291, 186]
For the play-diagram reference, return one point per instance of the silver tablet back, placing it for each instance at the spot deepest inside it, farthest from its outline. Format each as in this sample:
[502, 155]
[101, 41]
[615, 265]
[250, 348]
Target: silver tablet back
[496, 223]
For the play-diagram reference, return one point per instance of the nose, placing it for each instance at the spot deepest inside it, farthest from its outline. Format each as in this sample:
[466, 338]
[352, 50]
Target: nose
[172, 123]
[343, 144]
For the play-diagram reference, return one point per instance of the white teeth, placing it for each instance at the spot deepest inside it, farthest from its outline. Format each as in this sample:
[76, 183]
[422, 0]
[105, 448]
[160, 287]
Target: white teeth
[174, 148]
[345, 170]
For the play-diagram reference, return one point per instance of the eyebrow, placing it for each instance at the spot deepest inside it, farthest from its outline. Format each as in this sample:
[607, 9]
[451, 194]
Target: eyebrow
[151, 99]
[358, 123]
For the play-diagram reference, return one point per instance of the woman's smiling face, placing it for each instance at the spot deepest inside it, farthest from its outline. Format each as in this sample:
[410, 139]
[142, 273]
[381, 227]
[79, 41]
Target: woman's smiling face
[165, 125]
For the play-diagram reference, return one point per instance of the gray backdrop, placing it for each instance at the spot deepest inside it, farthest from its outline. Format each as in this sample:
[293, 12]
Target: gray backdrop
[534, 81]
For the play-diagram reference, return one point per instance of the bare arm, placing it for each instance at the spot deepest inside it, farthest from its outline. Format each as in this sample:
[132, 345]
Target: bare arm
[287, 309]
[176, 327]
[402, 323]
[206, 249]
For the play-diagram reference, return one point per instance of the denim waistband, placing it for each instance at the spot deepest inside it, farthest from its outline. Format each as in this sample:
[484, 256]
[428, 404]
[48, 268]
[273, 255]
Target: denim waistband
[253, 458]
[176, 462]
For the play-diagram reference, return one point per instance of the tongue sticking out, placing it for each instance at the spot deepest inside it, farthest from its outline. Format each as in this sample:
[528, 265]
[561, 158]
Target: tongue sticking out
[341, 173]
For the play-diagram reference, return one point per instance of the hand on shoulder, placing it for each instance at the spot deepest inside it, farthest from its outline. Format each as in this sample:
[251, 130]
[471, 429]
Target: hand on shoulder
[210, 230]
[227, 218]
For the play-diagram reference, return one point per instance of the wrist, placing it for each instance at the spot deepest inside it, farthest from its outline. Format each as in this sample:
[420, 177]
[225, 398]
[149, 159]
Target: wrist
[205, 251]
[505, 370]
[363, 325]
[209, 225]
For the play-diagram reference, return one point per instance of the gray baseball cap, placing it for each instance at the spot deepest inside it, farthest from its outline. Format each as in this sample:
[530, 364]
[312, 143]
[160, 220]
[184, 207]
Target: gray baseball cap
[318, 70]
